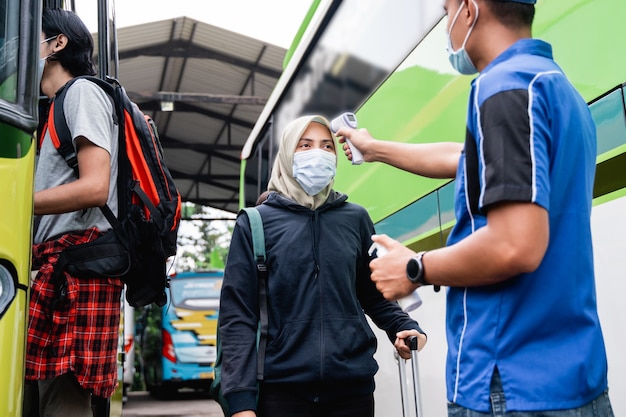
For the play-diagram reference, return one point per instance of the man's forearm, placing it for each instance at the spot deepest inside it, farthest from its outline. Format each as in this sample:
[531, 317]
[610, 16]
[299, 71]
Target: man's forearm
[433, 160]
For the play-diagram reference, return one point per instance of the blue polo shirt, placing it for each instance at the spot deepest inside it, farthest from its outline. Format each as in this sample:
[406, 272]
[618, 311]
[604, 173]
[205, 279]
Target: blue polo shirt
[530, 138]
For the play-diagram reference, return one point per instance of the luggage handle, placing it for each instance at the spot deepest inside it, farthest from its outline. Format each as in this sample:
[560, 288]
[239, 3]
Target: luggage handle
[411, 342]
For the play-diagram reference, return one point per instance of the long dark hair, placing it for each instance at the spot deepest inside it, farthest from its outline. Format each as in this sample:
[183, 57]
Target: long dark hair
[77, 56]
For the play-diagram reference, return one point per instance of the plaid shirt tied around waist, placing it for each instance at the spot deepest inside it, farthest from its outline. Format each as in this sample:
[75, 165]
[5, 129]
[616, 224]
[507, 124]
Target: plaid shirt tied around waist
[79, 333]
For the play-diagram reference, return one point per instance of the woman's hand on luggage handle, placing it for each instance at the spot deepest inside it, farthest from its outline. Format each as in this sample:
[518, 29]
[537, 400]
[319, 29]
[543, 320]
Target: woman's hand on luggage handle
[401, 346]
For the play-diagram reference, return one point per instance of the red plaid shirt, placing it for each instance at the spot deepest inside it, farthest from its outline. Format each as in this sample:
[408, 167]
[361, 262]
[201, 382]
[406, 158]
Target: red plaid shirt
[79, 334]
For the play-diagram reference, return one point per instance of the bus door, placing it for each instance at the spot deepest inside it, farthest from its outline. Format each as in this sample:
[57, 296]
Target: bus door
[20, 22]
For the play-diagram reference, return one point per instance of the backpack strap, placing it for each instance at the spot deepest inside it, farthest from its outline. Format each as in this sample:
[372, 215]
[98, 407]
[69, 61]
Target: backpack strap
[62, 137]
[258, 247]
[60, 132]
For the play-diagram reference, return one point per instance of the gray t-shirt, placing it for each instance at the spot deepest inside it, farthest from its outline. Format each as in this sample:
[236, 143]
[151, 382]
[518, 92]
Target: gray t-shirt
[89, 113]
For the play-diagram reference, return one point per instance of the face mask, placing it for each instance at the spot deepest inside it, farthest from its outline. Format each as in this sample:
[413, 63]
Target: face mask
[459, 59]
[314, 169]
[42, 61]
[42, 64]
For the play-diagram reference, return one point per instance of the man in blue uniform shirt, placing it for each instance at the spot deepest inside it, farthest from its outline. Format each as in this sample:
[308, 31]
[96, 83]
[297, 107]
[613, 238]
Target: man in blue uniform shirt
[522, 326]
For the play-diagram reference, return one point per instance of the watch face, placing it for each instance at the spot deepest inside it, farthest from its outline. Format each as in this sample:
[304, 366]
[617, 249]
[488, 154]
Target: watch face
[413, 270]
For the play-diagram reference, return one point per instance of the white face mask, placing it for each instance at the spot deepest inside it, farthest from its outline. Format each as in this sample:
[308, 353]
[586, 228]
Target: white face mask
[314, 169]
[42, 61]
[42, 64]
[459, 59]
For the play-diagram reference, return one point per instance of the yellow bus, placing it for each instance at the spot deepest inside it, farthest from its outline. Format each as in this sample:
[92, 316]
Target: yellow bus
[19, 91]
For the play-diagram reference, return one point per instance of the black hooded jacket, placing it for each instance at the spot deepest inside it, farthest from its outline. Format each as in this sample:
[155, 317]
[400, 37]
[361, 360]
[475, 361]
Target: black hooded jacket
[319, 287]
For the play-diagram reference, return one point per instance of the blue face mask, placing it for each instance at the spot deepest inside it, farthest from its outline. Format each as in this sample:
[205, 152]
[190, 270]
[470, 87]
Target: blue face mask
[459, 59]
[314, 169]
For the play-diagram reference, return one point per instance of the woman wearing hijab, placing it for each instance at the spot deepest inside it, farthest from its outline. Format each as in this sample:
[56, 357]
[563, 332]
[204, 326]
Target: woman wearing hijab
[319, 358]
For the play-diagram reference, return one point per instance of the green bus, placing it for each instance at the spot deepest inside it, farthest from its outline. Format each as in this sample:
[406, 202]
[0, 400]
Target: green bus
[389, 65]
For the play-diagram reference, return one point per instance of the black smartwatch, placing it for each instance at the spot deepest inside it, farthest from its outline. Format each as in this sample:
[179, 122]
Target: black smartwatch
[415, 269]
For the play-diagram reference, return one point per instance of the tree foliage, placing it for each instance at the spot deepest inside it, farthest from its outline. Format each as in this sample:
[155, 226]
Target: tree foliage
[203, 238]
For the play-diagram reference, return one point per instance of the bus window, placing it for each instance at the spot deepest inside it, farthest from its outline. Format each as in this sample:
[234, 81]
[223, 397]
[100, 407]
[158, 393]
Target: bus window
[608, 114]
[9, 40]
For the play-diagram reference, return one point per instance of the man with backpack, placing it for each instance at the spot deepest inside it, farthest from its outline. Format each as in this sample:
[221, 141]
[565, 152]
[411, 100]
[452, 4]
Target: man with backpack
[73, 324]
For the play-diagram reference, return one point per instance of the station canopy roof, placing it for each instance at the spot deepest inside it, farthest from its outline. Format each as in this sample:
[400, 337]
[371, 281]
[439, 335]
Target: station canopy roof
[205, 87]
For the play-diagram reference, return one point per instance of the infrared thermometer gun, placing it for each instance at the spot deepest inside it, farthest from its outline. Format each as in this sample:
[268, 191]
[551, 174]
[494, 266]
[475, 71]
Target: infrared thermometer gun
[348, 120]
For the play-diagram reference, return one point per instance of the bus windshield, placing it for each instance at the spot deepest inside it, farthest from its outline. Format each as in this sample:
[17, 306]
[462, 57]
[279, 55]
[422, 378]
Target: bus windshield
[198, 293]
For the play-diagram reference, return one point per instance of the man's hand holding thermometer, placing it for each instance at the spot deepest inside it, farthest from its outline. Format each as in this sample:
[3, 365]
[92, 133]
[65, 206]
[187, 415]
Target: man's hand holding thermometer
[389, 271]
[348, 120]
[408, 303]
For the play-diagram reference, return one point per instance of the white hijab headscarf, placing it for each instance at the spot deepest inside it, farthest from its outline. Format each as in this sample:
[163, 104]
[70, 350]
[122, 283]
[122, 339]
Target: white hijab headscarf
[282, 180]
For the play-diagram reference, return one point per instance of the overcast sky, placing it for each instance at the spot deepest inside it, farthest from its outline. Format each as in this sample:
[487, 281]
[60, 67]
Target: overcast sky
[272, 21]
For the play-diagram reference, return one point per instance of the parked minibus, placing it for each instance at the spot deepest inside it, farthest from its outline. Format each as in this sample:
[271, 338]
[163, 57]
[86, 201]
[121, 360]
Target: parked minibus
[178, 341]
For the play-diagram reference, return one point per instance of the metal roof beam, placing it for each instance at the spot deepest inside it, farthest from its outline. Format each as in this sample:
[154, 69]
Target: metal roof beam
[212, 202]
[212, 153]
[232, 188]
[185, 49]
[204, 148]
[181, 106]
[205, 178]
[174, 96]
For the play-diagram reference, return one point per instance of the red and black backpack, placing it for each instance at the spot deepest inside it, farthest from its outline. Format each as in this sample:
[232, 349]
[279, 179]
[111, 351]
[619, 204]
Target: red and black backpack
[144, 233]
